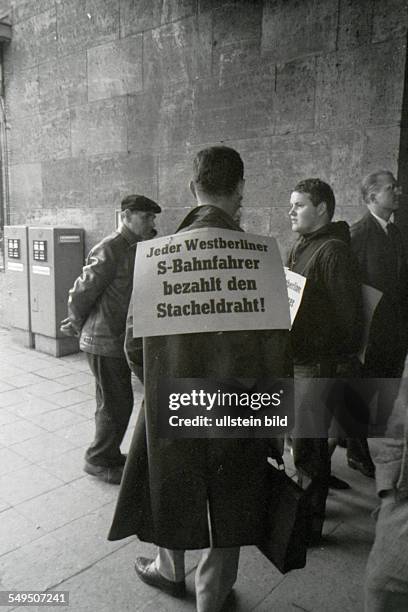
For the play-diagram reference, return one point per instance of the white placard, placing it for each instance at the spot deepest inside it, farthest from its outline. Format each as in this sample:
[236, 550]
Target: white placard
[44, 270]
[295, 284]
[14, 266]
[67, 239]
[208, 280]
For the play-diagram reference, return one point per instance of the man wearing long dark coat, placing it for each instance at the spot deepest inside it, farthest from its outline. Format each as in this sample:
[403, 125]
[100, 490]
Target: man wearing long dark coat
[202, 493]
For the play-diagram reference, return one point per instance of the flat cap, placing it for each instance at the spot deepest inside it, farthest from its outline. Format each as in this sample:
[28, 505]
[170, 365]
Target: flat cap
[139, 202]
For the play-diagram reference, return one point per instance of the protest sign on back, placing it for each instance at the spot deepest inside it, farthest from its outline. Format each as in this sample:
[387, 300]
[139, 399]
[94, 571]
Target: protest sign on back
[208, 280]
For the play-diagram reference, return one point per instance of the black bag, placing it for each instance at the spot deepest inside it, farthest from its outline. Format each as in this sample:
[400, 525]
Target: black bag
[285, 539]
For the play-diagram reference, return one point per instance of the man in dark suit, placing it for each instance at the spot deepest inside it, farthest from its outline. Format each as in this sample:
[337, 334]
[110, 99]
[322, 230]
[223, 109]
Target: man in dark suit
[378, 246]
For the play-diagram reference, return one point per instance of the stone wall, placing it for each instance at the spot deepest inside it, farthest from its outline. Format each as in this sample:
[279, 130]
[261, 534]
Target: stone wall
[109, 97]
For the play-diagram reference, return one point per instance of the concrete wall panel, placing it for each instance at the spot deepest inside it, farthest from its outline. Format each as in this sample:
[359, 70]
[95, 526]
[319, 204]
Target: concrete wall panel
[63, 83]
[295, 28]
[114, 177]
[99, 128]
[115, 69]
[83, 23]
[66, 183]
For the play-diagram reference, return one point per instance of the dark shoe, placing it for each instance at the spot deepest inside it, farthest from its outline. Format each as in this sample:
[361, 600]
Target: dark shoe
[112, 475]
[364, 467]
[338, 484]
[147, 572]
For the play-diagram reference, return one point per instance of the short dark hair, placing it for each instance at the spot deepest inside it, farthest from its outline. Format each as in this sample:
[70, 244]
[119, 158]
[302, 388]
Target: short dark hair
[319, 191]
[218, 170]
[369, 184]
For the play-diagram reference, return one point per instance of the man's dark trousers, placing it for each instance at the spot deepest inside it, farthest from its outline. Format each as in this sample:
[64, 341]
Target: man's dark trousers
[114, 404]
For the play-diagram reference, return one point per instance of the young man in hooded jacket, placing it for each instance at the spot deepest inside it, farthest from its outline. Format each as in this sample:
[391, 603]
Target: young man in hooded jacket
[326, 332]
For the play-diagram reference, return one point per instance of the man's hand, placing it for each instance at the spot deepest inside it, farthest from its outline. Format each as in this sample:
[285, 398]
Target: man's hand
[68, 329]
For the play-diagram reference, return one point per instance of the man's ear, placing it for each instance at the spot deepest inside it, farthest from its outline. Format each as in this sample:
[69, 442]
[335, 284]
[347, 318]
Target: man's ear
[193, 189]
[372, 197]
[240, 187]
[322, 209]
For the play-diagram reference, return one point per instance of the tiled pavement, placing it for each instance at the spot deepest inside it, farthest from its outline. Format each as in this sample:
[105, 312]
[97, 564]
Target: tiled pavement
[54, 518]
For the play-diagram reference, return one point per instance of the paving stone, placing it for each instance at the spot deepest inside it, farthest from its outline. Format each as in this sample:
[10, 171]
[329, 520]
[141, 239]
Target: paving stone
[42, 447]
[78, 435]
[52, 372]
[88, 537]
[7, 417]
[88, 389]
[24, 380]
[115, 69]
[7, 371]
[16, 530]
[57, 419]
[46, 388]
[101, 492]
[344, 561]
[39, 565]
[18, 431]
[26, 483]
[68, 398]
[11, 461]
[56, 508]
[33, 406]
[67, 466]
[84, 409]
[5, 387]
[122, 591]
[76, 380]
[4, 505]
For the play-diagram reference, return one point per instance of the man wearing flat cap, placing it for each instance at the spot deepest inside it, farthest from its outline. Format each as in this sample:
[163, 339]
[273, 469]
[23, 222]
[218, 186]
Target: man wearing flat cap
[97, 309]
